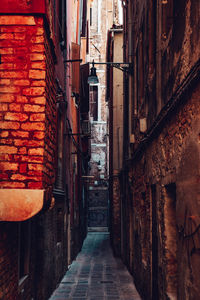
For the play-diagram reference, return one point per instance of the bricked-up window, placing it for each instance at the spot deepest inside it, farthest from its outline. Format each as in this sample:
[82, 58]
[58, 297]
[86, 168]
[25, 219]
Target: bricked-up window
[94, 102]
[171, 235]
[24, 249]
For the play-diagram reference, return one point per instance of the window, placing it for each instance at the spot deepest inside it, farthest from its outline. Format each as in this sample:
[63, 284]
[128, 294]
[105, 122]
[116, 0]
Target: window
[87, 38]
[94, 102]
[90, 16]
[62, 23]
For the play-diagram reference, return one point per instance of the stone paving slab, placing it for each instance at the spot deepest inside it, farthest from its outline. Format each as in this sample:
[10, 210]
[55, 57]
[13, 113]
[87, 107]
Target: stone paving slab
[96, 274]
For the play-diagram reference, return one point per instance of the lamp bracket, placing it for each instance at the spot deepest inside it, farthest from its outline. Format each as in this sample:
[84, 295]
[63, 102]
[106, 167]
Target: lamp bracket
[124, 67]
[72, 60]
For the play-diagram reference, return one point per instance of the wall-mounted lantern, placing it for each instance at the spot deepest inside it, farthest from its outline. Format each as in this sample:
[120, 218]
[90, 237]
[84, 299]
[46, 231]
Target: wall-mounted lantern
[92, 78]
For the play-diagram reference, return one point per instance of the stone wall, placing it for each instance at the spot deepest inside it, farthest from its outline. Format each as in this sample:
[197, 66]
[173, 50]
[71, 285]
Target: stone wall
[165, 199]
[160, 193]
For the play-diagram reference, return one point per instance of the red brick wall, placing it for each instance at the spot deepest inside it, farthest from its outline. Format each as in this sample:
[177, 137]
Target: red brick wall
[50, 121]
[19, 7]
[27, 145]
[27, 104]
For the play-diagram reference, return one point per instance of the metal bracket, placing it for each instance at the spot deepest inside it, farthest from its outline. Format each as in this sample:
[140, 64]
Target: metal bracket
[72, 60]
[124, 67]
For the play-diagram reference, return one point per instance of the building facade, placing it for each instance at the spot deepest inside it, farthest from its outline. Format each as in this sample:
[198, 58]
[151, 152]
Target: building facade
[42, 195]
[159, 188]
[100, 19]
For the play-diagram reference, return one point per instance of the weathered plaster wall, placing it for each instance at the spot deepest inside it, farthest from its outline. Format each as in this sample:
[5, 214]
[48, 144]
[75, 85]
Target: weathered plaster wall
[117, 103]
[116, 138]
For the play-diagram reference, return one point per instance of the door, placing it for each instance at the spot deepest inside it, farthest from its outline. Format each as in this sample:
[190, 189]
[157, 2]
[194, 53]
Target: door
[98, 208]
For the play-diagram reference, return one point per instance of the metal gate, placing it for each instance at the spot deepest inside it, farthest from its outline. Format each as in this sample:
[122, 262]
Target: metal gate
[98, 209]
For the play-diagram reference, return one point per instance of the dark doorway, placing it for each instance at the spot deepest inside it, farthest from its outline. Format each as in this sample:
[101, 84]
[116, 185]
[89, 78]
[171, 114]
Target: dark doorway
[98, 209]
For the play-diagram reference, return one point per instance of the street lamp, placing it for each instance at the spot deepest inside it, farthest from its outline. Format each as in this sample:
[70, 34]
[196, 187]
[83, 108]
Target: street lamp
[92, 78]
[124, 67]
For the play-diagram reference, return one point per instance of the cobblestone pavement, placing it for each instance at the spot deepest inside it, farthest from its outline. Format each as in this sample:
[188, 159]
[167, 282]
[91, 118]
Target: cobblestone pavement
[96, 274]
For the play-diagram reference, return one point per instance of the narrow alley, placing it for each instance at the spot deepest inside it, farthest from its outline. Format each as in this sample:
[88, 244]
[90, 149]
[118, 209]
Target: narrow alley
[99, 149]
[96, 275]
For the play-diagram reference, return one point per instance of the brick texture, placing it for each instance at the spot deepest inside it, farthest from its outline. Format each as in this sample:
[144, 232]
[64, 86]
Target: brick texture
[27, 103]
[27, 152]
